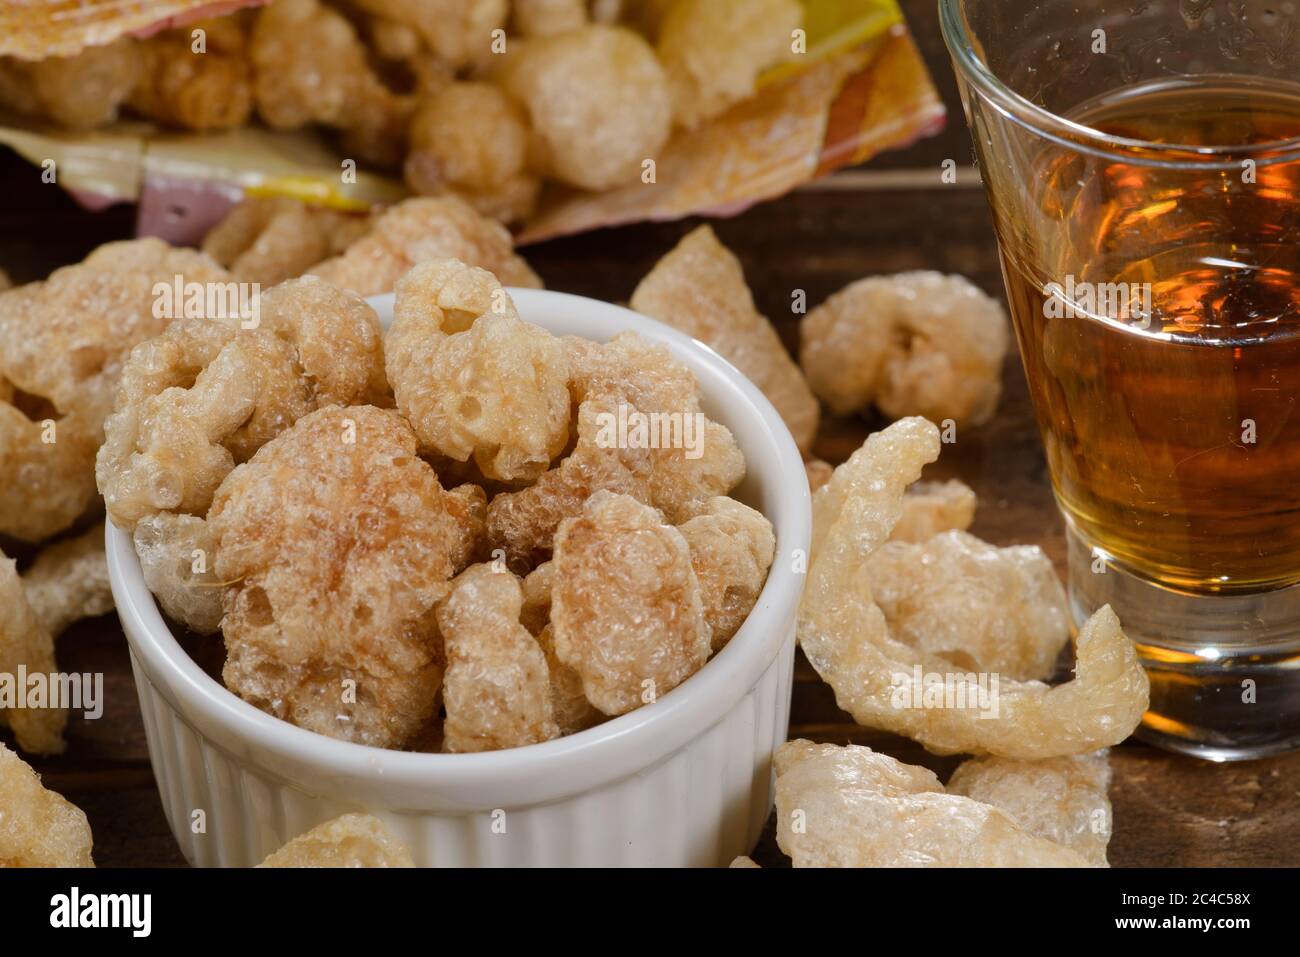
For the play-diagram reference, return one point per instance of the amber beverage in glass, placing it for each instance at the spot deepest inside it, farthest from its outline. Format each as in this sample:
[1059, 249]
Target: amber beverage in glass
[1142, 162]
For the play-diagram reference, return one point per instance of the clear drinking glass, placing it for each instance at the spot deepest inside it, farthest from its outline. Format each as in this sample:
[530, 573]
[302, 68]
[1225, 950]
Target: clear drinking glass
[1142, 162]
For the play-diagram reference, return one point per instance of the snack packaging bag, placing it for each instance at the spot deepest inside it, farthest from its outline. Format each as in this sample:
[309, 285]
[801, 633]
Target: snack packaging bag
[857, 87]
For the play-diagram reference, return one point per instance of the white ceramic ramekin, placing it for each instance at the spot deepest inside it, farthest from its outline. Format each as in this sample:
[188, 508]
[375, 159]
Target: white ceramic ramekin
[682, 782]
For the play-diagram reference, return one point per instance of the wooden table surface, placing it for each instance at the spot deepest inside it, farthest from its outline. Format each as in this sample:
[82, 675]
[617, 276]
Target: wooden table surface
[891, 215]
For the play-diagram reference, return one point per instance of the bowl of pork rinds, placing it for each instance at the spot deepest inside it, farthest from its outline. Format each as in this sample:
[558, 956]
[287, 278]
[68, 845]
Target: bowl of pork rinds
[511, 572]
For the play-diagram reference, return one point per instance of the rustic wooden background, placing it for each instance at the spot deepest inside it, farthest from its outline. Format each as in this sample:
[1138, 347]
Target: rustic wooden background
[891, 215]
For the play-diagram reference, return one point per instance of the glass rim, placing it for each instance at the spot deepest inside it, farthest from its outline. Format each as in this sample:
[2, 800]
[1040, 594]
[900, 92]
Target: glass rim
[1078, 136]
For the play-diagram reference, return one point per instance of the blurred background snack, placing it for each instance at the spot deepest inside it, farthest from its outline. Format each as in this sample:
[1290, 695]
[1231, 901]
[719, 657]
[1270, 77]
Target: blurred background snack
[553, 116]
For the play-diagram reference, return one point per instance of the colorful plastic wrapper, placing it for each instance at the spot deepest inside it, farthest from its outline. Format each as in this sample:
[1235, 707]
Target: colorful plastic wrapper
[36, 29]
[860, 88]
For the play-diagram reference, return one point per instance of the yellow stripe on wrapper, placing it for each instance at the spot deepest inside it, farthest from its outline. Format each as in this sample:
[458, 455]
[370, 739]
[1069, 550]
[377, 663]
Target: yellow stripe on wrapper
[113, 165]
[833, 26]
[316, 192]
[308, 191]
[301, 164]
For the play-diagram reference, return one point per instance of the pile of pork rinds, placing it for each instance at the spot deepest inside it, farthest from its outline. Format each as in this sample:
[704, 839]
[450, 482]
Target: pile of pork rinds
[421, 538]
[483, 99]
[427, 539]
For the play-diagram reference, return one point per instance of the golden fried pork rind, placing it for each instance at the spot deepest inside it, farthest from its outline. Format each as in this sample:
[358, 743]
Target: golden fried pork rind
[177, 559]
[700, 289]
[208, 393]
[208, 89]
[65, 336]
[569, 705]
[63, 342]
[78, 92]
[353, 840]
[853, 807]
[44, 485]
[537, 584]
[643, 372]
[918, 343]
[270, 239]
[1061, 799]
[311, 67]
[337, 541]
[474, 379]
[470, 139]
[847, 639]
[458, 32]
[25, 641]
[497, 689]
[626, 612]
[544, 18]
[933, 507]
[69, 581]
[626, 377]
[598, 102]
[714, 50]
[416, 230]
[928, 507]
[38, 828]
[978, 607]
[732, 547]
[467, 506]
[187, 397]
[336, 337]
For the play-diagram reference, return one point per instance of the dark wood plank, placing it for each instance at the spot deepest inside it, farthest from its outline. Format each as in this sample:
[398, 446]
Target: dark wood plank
[128, 823]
